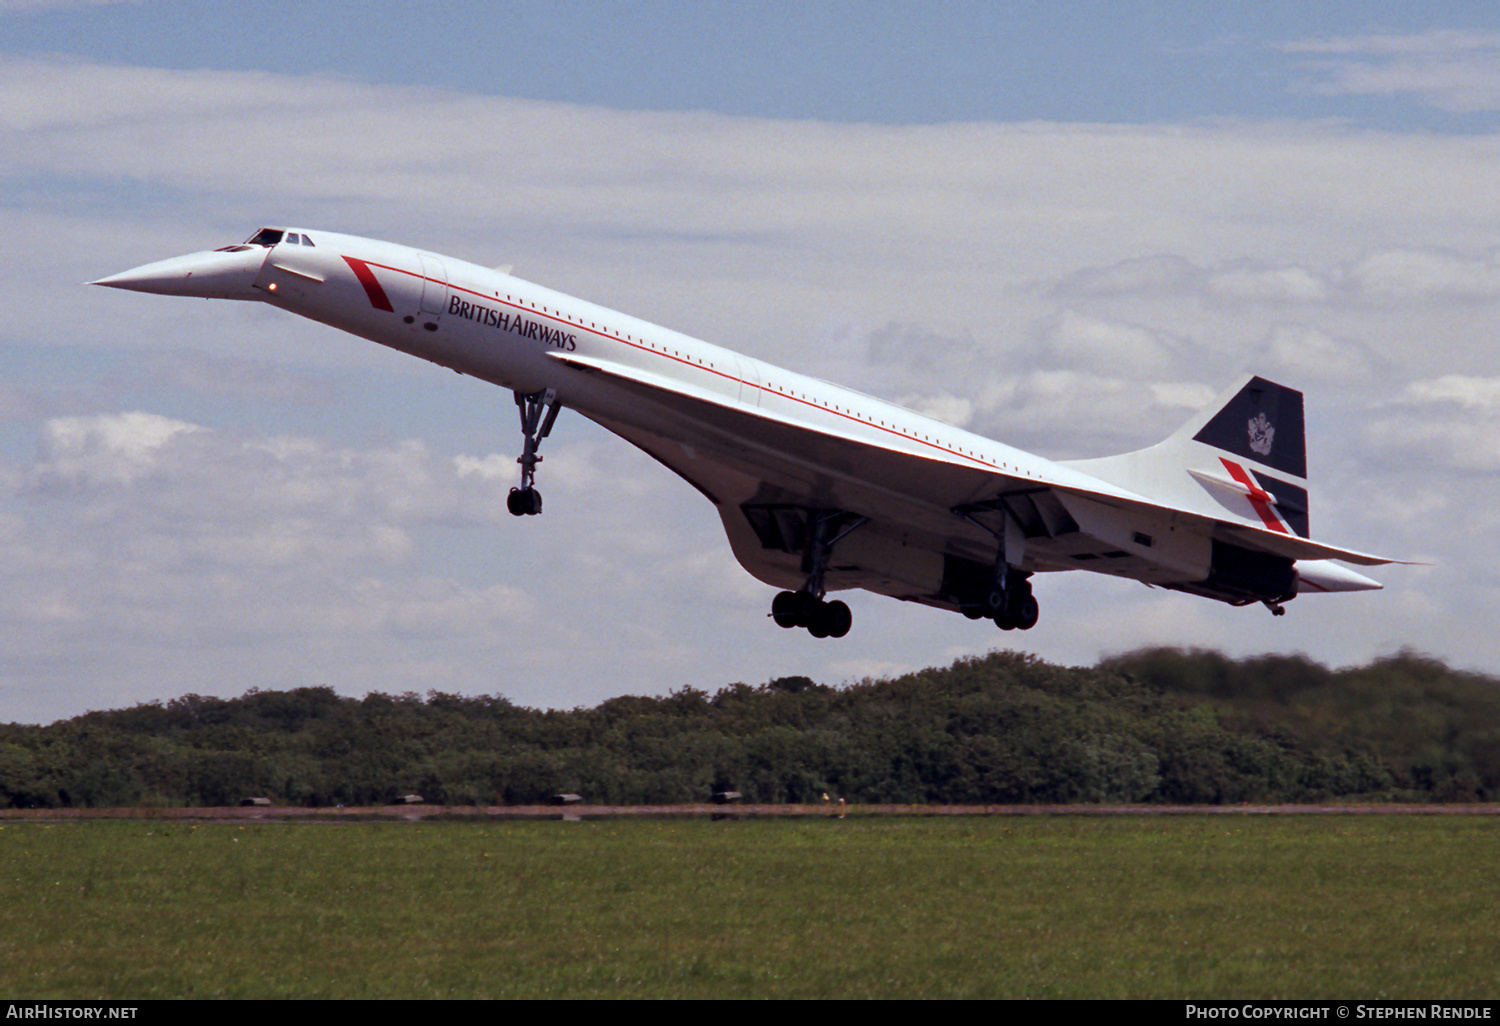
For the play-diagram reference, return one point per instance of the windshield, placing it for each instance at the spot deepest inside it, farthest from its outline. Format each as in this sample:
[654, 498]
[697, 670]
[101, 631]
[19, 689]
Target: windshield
[265, 237]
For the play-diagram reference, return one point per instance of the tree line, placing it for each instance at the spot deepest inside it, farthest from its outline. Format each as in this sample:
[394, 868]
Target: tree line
[1157, 726]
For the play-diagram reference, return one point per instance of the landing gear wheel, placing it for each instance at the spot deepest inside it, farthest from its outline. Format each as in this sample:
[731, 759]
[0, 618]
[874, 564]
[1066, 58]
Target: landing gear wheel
[807, 607]
[524, 502]
[786, 609]
[994, 603]
[801, 609]
[840, 619]
[818, 626]
[1020, 610]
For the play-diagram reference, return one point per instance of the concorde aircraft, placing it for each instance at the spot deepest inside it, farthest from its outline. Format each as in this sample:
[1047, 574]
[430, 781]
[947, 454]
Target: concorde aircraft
[821, 488]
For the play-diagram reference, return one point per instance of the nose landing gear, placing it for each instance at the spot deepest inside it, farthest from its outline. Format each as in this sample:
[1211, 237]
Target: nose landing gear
[538, 411]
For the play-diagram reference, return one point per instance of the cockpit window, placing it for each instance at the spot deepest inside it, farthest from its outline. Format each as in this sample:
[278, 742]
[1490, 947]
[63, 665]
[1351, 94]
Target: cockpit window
[275, 236]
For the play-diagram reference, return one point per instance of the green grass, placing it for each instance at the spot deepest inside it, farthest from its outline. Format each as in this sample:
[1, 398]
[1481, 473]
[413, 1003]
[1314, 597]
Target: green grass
[1229, 907]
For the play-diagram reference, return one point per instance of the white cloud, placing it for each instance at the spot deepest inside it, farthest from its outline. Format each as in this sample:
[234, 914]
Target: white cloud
[1377, 277]
[1308, 354]
[117, 449]
[949, 409]
[1432, 274]
[1472, 393]
[1245, 282]
[1179, 395]
[1450, 423]
[1453, 70]
[1170, 275]
[1069, 414]
[1238, 281]
[132, 530]
[1433, 41]
[899, 197]
[1114, 349]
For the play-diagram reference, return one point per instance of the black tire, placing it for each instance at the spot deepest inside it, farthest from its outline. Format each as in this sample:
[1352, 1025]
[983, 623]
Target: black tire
[807, 607]
[1027, 613]
[786, 609]
[840, 619]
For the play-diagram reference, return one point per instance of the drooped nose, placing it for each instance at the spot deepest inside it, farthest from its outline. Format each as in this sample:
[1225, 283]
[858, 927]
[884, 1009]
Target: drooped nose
[222, 274]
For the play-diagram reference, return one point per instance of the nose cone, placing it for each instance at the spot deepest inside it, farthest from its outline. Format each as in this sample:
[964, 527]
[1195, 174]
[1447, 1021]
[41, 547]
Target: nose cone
[222, 274]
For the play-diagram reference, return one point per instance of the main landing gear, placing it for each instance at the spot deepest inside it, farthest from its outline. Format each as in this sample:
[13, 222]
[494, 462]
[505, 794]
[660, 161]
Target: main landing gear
[807, 607]
[538, 411]
[1009, 603]
[1008, 599]
[801, 609]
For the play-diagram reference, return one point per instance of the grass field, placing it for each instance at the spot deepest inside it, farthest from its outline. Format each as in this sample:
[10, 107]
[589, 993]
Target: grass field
[1230, 907]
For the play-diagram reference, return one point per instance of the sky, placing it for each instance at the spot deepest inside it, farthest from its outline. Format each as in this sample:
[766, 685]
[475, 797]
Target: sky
[1063, 226]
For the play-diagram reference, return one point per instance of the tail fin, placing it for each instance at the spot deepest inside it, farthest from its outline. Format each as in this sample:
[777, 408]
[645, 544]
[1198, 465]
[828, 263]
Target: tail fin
[1262, 423]
[1247, 456]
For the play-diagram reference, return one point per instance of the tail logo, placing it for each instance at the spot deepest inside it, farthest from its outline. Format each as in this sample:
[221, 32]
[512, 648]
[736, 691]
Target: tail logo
[1261, 435]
